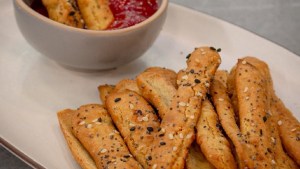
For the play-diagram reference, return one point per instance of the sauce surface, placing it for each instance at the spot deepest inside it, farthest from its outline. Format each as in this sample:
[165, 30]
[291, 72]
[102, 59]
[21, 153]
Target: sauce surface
[126, 12]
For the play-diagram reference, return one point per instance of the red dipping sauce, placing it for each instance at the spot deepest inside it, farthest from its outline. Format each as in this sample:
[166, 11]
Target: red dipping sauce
[130, 12]
[126, 12]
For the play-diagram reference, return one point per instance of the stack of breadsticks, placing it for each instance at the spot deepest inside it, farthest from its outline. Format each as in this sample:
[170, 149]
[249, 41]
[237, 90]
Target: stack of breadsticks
[200, 117]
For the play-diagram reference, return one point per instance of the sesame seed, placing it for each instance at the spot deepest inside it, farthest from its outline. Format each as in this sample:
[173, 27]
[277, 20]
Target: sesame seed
[95, 120]
[207, 84]
[132, 129]
[279, 122]
[163, 130]
[221, 99]
[162, 143]
[181, 135]
[192, 116]
[273, 140]
[199, 94]
[189, 135]
[247, 98]
[149, 129]
[154, 166]
[244, 62]
[197, 81]
[115, 131]
[203, 53]
[273, 162]
[82, 123]
[185, 77]
[89, 126]
[294, 129]
[131, 106]
[246, 89]
[171, 136]
[117, 100]
[174, 148]
[103, 150]
[202, 50]
[131, 124]
[145, 118]
[182, 104]
[197, 60]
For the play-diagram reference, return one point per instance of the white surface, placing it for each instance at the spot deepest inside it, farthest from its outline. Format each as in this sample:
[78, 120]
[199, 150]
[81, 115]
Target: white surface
[34, 88]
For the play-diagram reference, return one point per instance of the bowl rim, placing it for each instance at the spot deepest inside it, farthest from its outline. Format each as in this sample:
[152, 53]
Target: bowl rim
[162, 8]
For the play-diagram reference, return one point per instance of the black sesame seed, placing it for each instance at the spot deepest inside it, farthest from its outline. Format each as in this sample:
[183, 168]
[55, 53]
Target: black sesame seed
[139, 112]
[264, 118]
[99, 119]
[219, 50]
[117, 100]
[150, 129]
[197, 81]
[149, 158]
[212, 48]
[126, 156]
[132, 128]
[162, 143]
[188, 56]
[161, 135]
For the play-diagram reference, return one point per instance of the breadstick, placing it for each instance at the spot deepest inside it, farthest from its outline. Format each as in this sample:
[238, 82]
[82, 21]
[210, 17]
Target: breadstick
[196, 159]
[177, 128]
[136, 121]
[289, 132]
[64, 11]
[104, 91]
[78, 151]
[92, 125]
[213, 143]
[96, 13]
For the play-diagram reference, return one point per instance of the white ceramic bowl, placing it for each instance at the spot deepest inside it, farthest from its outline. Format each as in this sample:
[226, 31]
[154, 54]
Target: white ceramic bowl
[87, 49]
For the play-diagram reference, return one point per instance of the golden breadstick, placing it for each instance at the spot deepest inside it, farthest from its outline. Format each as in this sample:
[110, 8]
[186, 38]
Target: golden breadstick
[136, 121]
[92, 125]
[171, 145]
[196, 159]
[226, 113]
[213, 143]
[157, 85]
[289, 132]
[64, 11]
[104, 91]
[78, 151]
[96, 13]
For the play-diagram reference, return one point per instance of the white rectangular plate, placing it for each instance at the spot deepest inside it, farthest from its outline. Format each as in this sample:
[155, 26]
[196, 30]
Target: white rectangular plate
[33, 88]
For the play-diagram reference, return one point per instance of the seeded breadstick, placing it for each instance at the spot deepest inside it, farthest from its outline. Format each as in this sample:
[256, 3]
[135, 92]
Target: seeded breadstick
[104, 91]
[78, 151]
[171, 145]
[136, 121]
[196, 159]
[288, 132]
[93, 127]
[157, 85]
[64, 11]
[213, 143]
[226, 113]
[96, 13]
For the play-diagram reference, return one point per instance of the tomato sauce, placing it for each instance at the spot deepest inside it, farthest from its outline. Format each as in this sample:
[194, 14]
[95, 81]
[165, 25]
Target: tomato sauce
[126, 12]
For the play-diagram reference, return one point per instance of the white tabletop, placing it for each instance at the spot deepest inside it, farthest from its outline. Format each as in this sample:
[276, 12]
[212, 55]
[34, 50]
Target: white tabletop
[276, 20]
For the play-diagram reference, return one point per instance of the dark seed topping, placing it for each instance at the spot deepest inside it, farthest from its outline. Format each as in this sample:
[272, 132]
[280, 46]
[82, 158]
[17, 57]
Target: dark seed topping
[117, 100]
[212, 48]
[99, 119]
[150, 129]
[139, 112]
[197, 81]
[188, 56]
[126, 156]
[219, 50]
[149, 158]
[161, 135]
[132, 128]
[162, 143]
[264, 118]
